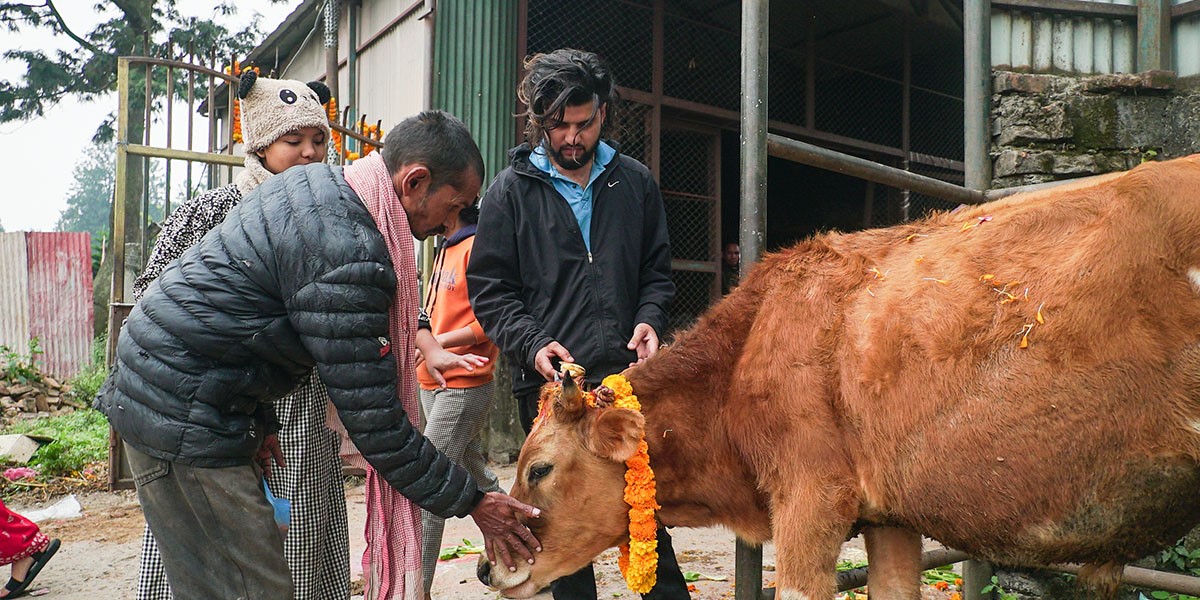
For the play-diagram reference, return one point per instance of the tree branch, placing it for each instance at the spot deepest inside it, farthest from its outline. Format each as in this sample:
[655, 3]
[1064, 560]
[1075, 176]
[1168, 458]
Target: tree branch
[67, 30]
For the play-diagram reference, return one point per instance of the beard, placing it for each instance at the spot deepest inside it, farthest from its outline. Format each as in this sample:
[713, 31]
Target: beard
[582, 157]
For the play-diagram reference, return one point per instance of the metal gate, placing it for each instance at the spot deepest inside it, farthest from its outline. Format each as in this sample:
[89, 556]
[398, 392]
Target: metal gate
[147, 87]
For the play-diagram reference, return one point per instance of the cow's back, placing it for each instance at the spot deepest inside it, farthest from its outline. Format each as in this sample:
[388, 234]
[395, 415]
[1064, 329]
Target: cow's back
[1019, 379]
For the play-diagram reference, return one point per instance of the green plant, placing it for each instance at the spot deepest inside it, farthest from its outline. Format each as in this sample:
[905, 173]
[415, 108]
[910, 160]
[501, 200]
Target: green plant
[86, 383]
[1181, 558]
[80, 439]
[849, 565]
[21, 368]
[994, 586]
[1161, 595]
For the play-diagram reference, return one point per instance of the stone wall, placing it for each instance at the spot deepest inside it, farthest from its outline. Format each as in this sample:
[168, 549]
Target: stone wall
[1051, 127]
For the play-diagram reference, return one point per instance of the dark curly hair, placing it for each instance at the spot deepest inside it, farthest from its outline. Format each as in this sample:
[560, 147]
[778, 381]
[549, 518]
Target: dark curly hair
[560, 79]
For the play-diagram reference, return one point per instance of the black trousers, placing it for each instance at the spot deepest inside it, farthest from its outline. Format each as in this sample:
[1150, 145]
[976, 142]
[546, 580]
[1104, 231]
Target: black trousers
[581, 585]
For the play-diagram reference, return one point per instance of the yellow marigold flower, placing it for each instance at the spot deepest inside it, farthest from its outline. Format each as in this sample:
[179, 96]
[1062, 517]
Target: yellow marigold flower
[618, 384]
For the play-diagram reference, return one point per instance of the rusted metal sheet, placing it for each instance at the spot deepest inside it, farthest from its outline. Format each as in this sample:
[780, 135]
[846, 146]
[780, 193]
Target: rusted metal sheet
[14, 294]
[58, 295]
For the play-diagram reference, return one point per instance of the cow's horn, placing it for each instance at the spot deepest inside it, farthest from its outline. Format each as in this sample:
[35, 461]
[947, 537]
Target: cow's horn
[570, 398]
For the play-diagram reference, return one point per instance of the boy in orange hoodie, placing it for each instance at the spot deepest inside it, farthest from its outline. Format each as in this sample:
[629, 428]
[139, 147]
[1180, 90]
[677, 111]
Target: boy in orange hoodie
[455, 400]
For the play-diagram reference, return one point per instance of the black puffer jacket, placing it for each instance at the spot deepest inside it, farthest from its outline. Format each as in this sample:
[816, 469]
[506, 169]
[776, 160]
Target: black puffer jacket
[297, 275]
[533, 281]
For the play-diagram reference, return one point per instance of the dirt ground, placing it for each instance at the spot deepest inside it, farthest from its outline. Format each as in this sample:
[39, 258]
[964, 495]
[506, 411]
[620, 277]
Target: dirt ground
[99, 555]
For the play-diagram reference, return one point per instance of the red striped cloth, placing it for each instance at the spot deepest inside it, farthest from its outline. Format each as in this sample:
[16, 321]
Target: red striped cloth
[392, 562]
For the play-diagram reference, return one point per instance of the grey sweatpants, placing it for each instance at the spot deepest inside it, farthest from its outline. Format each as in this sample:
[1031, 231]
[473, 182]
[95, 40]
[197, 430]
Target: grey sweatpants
[454, 420]
[215, 529]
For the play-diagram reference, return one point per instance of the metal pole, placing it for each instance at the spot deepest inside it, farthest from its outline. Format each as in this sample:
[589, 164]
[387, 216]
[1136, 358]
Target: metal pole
[977, 95]
[833, 160]
[755, 35]
[755, 30]
[332, 13]
[121, 187]
[977, 167]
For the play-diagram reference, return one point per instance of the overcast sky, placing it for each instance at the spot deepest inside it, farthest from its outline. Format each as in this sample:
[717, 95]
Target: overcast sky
[38, 156]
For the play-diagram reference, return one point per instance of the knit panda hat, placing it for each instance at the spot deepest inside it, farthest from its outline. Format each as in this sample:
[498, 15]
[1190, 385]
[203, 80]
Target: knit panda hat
[272, 108]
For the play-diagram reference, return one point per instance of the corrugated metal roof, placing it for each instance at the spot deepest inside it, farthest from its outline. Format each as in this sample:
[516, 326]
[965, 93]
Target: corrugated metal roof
[14, 292]
[1045, 43]
[1041, 42]
[60, 299]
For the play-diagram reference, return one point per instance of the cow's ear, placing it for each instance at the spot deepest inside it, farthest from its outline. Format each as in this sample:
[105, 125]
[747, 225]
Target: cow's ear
[569, 406]
[616, 433]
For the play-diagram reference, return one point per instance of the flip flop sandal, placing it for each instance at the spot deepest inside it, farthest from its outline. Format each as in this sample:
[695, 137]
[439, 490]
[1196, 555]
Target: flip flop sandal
[17, 588]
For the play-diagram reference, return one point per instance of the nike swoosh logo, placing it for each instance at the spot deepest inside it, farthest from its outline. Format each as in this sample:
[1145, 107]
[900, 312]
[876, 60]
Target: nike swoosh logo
[612, 183]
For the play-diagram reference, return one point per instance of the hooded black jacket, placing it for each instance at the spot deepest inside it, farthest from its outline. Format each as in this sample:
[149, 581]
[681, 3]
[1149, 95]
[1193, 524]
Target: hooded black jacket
[533, 281]
[297, 275]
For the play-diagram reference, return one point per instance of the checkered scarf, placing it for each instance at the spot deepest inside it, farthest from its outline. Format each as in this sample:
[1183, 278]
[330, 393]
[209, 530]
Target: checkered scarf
[392, 562]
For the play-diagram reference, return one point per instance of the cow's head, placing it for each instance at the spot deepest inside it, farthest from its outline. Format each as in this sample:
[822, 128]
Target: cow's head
[572, 467]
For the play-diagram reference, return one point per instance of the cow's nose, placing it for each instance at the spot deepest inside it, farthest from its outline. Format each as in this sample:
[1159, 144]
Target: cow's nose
[484, 572]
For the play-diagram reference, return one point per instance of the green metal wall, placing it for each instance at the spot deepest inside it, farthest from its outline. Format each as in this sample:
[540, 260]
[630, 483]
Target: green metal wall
[475, 66]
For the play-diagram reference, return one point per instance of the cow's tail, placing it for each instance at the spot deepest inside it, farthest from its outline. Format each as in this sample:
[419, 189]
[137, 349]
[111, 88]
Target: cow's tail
[1101, 580]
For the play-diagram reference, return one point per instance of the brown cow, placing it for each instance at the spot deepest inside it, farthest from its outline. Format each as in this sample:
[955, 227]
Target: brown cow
[1019, 380]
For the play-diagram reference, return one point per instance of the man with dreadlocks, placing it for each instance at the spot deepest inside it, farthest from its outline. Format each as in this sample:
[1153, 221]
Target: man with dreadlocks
[571, 260]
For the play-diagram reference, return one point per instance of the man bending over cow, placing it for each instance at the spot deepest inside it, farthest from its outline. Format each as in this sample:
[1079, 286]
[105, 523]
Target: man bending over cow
[597, 292]
[314, 268]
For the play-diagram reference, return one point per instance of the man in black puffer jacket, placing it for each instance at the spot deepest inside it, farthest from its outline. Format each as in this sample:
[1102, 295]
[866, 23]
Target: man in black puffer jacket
[300, 274]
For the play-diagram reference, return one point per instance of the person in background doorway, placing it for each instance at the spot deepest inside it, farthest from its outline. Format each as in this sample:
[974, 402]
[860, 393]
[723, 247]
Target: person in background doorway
[731, 260]
[455, 400]
[571, 260]
[283, 125]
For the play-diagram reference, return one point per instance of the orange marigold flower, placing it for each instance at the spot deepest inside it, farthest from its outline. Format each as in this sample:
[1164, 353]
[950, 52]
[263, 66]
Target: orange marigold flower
[639, 558]
[618, 384]
[942, 585]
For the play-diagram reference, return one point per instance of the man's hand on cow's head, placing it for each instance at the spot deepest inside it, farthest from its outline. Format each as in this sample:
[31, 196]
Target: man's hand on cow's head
[644, 341]
[503, 532]
[543, 360]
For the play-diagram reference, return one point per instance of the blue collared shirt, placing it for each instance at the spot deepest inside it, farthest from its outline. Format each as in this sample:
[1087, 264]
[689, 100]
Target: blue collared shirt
[578, 198]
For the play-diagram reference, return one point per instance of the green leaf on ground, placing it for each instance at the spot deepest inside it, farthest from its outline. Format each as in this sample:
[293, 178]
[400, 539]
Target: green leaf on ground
[467, 547]
[695, 576]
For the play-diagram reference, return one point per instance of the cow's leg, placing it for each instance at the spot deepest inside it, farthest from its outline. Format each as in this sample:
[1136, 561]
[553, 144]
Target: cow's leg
[895, 557]
[809, 527]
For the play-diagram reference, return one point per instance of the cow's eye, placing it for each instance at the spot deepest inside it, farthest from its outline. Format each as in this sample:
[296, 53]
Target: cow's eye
[539, 471]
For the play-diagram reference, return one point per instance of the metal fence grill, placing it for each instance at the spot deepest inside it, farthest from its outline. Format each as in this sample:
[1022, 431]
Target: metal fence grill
[690, 288]
[785, 94]
[632, 130]
[701, 63]
[689, 186]
[920, 205]
[889, 206]
[621, 31]
[858, 104]
[937, 103]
